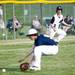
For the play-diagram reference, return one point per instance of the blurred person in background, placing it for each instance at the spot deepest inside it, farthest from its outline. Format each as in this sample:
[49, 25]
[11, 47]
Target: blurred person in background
[69, 20]
[16, 23]
[2, 25]
[55, 22]
[36, 23]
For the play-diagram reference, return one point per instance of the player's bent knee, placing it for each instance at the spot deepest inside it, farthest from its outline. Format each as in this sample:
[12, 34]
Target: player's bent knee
[55, 51]
[64, 33]
[37, 51]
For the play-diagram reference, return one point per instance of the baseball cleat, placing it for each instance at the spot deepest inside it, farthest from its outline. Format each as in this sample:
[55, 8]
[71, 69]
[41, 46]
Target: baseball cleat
[35, 68]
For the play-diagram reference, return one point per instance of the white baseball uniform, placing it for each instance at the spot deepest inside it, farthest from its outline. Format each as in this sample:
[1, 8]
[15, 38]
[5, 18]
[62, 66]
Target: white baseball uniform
[55, 22]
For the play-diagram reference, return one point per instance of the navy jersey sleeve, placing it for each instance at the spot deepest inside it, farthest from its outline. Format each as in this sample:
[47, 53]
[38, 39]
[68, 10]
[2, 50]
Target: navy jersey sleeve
[52, 20]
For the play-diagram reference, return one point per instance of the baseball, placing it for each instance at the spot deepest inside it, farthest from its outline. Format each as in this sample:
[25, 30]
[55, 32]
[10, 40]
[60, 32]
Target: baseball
[3, 70]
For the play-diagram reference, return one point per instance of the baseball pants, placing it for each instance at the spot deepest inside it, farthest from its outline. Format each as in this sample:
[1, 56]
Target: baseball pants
[61, 34]
[39, 50]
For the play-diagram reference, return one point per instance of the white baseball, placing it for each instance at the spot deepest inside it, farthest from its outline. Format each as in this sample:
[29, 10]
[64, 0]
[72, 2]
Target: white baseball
[3, 70]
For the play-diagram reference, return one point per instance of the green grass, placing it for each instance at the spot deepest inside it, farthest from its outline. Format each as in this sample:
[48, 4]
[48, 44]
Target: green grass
[61, 64]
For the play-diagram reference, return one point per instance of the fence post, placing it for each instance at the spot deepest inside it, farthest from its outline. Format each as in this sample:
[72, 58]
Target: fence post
[41, 14]
[6, 35]
[13, 22]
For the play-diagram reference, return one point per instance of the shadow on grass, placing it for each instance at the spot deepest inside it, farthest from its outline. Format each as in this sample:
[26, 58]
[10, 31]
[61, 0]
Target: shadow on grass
[15, 70]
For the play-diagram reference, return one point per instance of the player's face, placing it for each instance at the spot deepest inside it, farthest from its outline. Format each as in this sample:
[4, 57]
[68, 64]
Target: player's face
[32, 37]
[59, 12]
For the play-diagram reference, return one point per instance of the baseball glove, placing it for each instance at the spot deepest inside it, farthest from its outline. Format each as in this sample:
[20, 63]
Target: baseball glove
[24, 66]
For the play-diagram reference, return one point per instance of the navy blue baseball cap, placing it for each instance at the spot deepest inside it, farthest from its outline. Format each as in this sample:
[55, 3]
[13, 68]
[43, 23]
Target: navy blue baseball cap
[59, 8]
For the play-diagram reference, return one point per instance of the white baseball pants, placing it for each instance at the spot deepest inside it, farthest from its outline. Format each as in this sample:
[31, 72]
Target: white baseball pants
[39, 50]
[61, 34]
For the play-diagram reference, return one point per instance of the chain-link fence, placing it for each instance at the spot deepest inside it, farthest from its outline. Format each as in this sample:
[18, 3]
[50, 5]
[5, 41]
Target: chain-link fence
[24, 14]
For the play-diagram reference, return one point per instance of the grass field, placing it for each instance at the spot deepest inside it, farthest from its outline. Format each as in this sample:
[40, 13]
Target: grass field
[61, 64]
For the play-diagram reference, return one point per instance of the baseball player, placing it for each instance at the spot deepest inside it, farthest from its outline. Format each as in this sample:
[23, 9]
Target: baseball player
[42, 45]
[17, 24]
[36, 23]
[2, 25]
[69, 20]
[56, 20]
